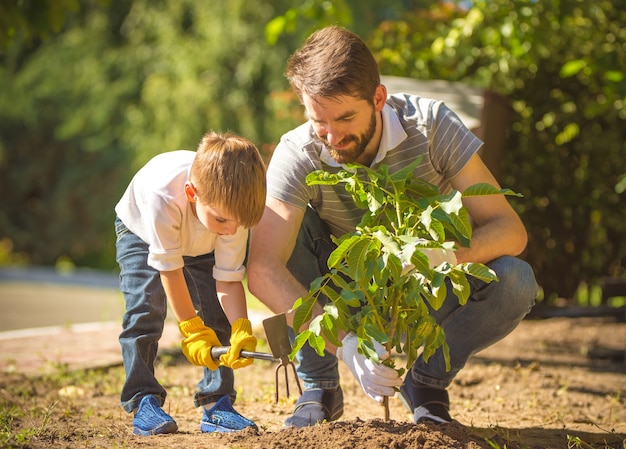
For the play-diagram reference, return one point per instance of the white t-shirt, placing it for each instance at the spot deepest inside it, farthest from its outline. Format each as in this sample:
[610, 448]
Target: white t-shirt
[155, 208]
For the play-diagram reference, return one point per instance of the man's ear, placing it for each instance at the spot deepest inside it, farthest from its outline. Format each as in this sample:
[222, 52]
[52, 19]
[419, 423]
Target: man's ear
[190, 192]
[380, 97]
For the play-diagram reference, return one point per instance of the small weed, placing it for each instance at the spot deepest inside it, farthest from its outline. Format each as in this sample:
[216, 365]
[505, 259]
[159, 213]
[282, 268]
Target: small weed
[494, 445]
[576, 443]
[10, 435]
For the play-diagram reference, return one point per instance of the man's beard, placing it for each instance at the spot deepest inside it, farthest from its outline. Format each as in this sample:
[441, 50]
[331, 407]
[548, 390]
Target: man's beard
[351, 155]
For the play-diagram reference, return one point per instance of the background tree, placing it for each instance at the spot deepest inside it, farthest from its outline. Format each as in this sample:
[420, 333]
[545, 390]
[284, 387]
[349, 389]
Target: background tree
[83, 110]
[93, 89]
[561, 64]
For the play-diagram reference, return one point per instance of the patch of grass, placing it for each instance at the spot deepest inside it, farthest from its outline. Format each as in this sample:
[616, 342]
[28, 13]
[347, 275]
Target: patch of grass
[11, 436]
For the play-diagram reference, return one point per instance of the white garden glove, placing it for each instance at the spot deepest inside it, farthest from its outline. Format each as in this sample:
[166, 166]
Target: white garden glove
[437, 256]
[377, 380]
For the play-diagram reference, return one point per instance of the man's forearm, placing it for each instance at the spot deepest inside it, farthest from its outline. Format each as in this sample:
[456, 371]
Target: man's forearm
[492, 240]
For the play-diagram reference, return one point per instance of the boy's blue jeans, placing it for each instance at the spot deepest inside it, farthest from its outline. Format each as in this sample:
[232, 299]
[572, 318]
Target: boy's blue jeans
[146, 309]
[491, 313]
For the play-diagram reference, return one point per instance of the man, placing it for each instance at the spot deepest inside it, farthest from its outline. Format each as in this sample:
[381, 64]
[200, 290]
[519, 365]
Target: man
[351, 119]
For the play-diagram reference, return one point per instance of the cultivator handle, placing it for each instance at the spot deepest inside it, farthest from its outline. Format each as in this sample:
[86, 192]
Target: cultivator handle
[217, 351]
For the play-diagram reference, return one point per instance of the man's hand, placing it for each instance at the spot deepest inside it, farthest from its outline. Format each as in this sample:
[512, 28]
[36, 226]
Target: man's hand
[377, 380]
[241, 339]
[198, 342]
[437, 256]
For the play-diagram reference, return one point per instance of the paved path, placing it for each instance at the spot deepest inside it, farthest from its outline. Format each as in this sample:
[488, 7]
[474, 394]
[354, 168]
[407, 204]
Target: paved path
[47, 321]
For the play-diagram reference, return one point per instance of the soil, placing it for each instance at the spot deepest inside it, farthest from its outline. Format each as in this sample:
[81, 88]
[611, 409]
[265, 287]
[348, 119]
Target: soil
[555, 383]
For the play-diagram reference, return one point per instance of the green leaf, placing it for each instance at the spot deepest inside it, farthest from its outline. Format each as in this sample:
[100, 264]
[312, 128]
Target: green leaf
[389, 244]
[304, 311]
[329, 328]
[425, 327]
[317, 343]
[453, 204]
[480, 271]
[399, 178]
[439, 291]
[274, 29]
[299, 342]
[482, 189]
[340, 252]
[357, 257]
[366, 347]
[571, 68]
[321, 177]
[376, 334]
[614, 76]
[350, 297]
[460, 285]
[620, 187]
[433, 342]
[315, 326]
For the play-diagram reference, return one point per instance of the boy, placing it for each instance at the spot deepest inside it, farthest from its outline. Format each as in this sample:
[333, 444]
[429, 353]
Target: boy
[182, 229]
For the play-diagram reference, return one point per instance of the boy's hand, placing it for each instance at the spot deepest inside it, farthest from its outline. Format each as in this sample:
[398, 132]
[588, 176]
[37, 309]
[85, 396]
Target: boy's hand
[198, 342]
[241, 339]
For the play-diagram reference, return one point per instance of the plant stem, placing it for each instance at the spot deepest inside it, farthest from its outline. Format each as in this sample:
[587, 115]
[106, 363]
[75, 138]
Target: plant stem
[386, 407]
[386, 398]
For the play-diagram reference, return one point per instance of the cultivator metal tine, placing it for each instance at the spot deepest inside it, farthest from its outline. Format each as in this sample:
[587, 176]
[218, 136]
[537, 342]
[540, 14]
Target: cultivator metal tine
[277, 333]
[284, 363]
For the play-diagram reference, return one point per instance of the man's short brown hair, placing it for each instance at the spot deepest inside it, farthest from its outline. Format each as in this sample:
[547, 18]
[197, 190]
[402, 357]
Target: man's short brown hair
[228, 171]
[333, 62]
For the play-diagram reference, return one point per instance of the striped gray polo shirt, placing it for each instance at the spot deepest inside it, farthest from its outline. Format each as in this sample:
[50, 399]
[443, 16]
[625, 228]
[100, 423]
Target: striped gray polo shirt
[412, 126]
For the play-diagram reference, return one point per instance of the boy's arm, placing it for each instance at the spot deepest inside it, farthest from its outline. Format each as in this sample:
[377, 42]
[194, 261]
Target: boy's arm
[199, 339]
[232, 297]
[178, 294]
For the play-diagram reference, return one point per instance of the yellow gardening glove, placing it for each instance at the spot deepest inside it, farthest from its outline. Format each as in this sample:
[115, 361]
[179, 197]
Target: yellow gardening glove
[198, 342]
[241, 339]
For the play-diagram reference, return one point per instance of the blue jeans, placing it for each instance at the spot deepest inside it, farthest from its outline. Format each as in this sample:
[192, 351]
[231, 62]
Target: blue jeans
[491, 313]
[146, 309]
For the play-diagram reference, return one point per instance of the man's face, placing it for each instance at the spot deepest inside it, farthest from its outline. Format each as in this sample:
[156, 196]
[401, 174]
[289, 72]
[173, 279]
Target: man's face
[345, 125]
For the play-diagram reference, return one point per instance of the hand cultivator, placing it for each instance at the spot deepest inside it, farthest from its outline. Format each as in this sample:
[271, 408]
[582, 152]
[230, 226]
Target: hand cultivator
[277, 333]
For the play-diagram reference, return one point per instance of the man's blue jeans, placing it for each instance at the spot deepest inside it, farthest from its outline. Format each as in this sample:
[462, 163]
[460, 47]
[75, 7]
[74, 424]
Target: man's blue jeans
[146, 309]
[491, 313]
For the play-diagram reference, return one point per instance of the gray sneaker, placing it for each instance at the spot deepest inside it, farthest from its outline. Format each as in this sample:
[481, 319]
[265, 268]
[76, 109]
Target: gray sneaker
[427, 404]
[315, 406]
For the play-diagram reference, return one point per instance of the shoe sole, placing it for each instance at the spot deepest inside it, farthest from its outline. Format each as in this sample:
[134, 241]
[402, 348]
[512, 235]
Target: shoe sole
[166, 427]
[212, 428]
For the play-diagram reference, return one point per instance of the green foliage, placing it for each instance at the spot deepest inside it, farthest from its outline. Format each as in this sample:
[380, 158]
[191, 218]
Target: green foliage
[32, 19]
[561, 65]
[82, 111]
[380, 285]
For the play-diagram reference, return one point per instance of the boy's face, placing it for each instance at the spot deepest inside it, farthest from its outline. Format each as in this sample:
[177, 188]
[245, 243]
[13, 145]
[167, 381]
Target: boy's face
[213, 217]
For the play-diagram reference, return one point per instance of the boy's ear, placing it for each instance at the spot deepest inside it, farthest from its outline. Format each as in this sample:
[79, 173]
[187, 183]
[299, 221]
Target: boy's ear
[190, 192]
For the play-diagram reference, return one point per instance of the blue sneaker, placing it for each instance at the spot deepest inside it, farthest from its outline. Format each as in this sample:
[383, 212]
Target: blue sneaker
[150, 419]
[222, 417]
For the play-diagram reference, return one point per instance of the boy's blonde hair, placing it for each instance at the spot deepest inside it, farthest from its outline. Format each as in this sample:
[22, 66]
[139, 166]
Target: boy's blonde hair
[228, 171]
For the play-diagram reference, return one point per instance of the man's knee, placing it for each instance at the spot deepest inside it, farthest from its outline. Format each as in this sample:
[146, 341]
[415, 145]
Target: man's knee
[516, 283]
